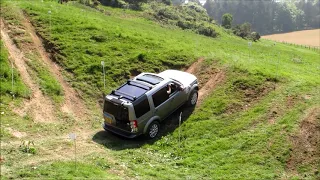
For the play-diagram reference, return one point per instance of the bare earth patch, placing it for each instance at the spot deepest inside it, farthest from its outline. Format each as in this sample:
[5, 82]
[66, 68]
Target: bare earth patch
[16, 133]
[192, 69]
[306, 145]
[208, 77]
[277, 111]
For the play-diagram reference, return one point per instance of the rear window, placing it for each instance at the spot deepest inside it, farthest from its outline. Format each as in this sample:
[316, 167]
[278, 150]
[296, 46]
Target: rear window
[118, 111]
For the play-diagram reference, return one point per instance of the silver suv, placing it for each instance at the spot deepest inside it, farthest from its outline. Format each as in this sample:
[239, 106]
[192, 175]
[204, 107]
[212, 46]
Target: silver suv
[139, 105]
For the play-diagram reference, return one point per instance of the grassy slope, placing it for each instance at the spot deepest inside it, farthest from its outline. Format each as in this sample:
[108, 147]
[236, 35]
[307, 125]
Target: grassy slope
[215, 143]
[19, 89]
[20, 37]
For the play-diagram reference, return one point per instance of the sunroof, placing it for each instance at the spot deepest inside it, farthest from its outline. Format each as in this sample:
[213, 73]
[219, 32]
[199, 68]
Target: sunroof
[130, 92]
[151, 79]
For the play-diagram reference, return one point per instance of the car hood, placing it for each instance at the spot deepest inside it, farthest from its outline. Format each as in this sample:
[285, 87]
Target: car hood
[185, 78]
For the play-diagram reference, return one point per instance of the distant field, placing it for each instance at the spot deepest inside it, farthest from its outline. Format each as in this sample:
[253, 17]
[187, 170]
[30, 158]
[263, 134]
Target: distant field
[307, 37]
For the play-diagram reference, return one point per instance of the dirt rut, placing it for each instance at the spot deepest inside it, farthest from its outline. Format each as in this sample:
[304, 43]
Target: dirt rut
[72, 103]
[39, 106]
[306, 144]
[210, 77]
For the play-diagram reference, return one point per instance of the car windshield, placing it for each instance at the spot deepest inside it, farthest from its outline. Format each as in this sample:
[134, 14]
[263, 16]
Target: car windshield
[176, 81]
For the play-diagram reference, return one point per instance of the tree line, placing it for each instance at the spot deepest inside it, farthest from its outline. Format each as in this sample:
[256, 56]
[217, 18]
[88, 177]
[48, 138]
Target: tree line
[268, 16]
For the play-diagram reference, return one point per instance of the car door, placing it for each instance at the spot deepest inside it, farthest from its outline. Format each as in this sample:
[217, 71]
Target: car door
[177, 97]
[161, 101]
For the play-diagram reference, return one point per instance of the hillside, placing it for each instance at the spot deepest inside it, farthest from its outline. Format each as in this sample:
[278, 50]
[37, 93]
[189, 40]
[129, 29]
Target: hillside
[258, 116]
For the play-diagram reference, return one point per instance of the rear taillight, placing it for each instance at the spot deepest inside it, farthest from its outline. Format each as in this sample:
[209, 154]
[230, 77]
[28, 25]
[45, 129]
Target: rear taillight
[134, 125]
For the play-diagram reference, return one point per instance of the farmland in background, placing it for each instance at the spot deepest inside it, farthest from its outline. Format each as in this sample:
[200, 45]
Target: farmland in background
[306, 37]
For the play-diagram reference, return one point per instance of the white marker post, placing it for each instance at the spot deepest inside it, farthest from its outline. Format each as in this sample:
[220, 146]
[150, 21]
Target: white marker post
[249, 46]
[49, 12]
[12, 79]
[73, 137]
[104, 76]
[278, 64]
[180, 129]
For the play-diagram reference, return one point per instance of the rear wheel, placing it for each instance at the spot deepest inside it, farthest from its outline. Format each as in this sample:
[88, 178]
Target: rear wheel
[193, 98]
[153, 130]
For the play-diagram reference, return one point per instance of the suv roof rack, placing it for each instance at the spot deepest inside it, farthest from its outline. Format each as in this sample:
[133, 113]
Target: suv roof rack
[123, 93]
[150, 78]
[139, 84]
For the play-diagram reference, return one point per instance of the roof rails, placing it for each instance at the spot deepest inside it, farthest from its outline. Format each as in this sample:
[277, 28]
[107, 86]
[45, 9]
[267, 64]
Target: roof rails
[123, 93]
[139, 84]
[150, 78]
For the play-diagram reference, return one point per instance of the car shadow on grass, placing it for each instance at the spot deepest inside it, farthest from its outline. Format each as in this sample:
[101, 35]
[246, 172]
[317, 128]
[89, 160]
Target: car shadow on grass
[116, 142]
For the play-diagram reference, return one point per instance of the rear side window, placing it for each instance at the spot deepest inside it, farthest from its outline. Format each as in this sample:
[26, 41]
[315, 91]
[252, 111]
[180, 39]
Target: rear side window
[142, 108]
[160, 96]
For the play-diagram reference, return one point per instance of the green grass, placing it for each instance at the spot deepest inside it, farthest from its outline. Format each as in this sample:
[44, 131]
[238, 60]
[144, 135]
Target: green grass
[65, 170]
[229, 136]
[242, 145]
[7, 88]
[47, 82]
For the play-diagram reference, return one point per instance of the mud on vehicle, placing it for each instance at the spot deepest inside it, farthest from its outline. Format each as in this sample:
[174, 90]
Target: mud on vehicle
[138, 106]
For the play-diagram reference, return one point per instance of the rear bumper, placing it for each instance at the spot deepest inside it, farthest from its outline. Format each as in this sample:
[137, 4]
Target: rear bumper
[118, 131]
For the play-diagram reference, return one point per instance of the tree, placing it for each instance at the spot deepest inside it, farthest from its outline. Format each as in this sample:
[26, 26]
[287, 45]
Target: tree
[227, 20]
[243, 30]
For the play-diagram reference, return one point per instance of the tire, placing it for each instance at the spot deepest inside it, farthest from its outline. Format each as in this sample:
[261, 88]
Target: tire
[193, 98]
[153, 130]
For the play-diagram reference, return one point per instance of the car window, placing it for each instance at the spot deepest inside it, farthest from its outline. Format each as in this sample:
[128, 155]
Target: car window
[142, 108]
[160, 96]
[118, 111]
[172, 88]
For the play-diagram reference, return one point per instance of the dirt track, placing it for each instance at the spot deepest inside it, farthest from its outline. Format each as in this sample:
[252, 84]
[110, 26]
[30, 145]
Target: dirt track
[72, 103]
[210, 77]
[40, 107]
[306, 144]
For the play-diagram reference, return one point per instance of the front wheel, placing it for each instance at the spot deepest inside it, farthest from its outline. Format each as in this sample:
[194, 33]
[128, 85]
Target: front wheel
[193, 98]
[153, 130]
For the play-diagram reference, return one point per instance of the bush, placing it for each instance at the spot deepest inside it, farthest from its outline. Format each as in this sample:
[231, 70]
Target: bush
[187, 16]
[255, 36]
[207, 31]
[167, 2]
[185, 24]
[243, 30]
[167, 13]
